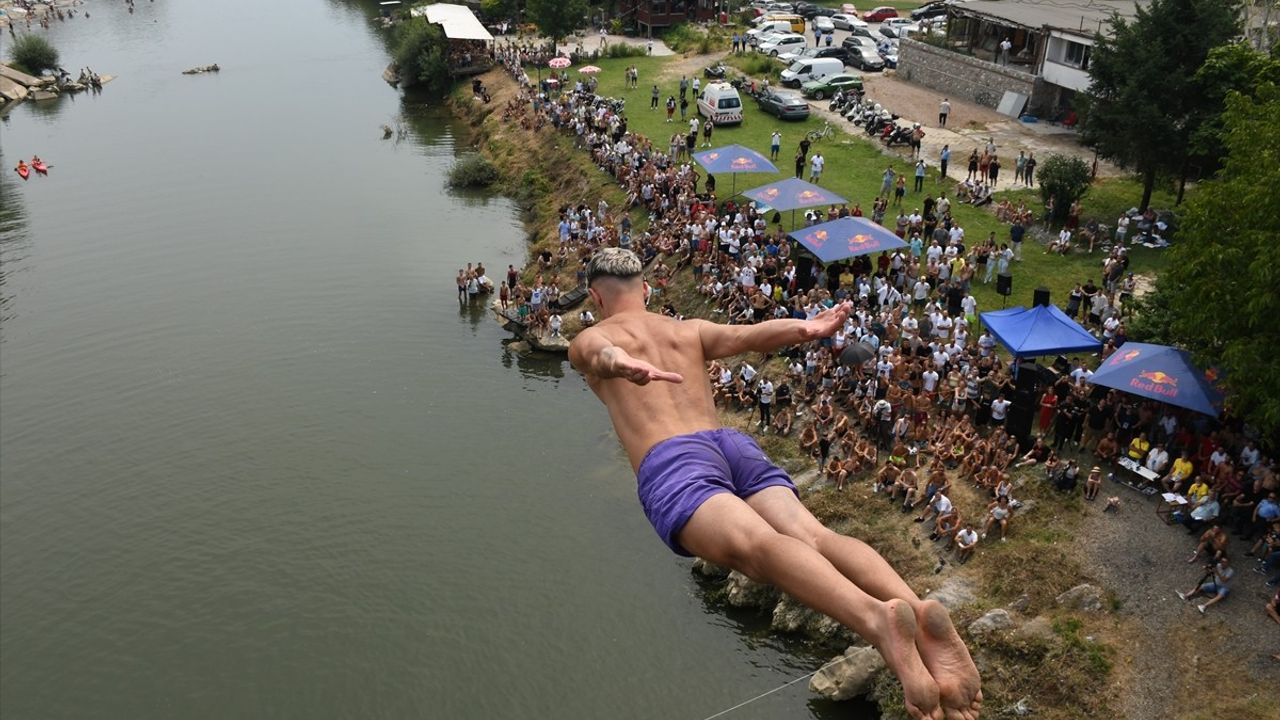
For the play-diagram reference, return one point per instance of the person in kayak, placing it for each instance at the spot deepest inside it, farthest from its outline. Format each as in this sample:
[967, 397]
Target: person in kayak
[22, 168]
[710, 491]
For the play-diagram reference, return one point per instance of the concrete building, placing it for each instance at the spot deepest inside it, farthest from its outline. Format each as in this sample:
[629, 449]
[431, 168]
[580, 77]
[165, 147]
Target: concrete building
[1048, 61]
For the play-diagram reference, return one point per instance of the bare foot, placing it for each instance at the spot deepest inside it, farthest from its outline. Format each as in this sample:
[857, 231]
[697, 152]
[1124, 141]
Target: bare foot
[898, 647]
[947, 658]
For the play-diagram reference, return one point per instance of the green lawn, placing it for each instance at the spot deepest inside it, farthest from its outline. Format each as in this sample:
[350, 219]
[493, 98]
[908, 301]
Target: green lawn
[854, 168]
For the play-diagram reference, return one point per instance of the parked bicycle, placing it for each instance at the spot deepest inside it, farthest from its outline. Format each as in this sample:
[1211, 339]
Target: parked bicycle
[816, 135]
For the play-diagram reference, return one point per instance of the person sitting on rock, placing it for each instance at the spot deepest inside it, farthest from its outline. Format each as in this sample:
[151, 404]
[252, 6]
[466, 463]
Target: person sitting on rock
[809, 438]
[965, 540]
[998, 513]
[835, 472]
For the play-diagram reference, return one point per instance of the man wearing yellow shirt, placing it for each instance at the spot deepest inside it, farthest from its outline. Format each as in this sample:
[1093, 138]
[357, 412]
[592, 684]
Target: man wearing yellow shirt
[1139, 447]
[1179, 473]
[1197, 491]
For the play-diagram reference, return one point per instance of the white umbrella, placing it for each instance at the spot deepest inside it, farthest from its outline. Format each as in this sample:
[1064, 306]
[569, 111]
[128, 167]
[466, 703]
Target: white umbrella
[559, 62]
[589, 70]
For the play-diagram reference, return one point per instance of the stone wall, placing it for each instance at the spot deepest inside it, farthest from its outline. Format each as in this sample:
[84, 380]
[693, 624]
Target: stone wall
[966, 77]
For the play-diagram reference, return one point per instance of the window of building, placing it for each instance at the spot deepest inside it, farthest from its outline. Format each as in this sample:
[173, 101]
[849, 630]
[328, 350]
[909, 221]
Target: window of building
[1076, 55]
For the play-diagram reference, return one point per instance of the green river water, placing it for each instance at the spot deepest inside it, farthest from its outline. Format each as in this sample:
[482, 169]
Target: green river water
[255, 460]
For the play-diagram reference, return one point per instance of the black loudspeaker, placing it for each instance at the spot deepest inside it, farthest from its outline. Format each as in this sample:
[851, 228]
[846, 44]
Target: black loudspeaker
[1018, 423]
[1030, 378]
[804, 268]
[1061, 364]
[1041, 297]
[1004, 284]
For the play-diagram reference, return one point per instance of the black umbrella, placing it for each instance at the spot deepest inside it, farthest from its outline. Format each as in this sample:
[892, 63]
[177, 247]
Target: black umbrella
[855, 354]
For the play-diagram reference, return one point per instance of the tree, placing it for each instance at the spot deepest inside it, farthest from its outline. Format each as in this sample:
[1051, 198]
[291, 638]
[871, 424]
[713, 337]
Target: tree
[1220, 288]
[1236, 67]
[1065, 179]
[33, 54]
[1141, 107]
[421, 54]
[556, 18]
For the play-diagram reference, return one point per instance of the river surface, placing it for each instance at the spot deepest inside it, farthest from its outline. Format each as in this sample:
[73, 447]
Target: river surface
[256, 461]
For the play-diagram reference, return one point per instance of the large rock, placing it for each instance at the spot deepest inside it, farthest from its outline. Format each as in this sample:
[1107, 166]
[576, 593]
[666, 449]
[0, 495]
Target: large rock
[953, 593]
[1082, 597]
[848, 676]
[994, 621]
[790, 616]
[741, 591]
[709, 569]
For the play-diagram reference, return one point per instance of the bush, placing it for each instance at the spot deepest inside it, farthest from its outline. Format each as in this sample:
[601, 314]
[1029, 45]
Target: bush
[33, 54]
[421, 55]
[690, 39]
[472, 171]
[1065, 179]
[623, 50]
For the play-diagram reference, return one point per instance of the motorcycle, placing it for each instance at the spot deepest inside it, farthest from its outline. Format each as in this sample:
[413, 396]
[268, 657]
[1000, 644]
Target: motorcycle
[896, 135]
[715, 72]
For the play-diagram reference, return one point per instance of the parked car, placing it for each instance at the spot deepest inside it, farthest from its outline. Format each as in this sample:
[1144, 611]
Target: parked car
[854, 43]
[865, 58]
[783, 104]
[899, 31]
[824, 12]
[806, 10]
[938, 8]
[837, 52]
[826, 87]
[846, 22]
[890, 57]
[782, 44]
[848, 9]
[824, 24]
[898, 21]
[880, 14]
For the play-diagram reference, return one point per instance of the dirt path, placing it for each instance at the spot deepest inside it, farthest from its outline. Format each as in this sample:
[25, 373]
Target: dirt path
[1144, 562]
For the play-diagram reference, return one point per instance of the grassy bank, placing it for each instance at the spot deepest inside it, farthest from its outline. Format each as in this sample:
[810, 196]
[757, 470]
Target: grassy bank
[1063, 674]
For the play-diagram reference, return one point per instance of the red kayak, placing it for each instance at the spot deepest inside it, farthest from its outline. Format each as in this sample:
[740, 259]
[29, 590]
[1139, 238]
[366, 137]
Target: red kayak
[23, 171]
[40, 167]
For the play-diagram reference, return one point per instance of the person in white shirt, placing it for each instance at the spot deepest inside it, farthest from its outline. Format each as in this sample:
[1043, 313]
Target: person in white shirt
[986, 343]
[764, 398]
[999, 410]
[934, 252]
[941, 505]
[965, 541]
[969, 304]
[910, 325]
[940, 358]
[942, 326]
[929, 380]
[920, 292]
[747, 372]
[1157, 459]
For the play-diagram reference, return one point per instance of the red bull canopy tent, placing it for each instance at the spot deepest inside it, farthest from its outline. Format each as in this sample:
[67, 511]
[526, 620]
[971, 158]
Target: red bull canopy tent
[1041, 330]
[845, 238]
[792, 194]
[1161, 373]
[734, 159]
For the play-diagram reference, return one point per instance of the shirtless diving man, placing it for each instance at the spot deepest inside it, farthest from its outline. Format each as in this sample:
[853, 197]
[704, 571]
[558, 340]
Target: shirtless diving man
[710, 491]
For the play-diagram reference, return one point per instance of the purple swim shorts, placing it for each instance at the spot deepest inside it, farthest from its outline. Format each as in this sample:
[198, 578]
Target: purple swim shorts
[678, 474]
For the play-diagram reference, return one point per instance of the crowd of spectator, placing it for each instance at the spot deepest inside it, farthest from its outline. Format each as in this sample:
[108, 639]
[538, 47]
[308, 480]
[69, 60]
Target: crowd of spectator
[910, 396]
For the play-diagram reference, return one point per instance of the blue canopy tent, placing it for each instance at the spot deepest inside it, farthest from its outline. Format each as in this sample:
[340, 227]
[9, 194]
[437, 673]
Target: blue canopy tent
[1161, 373]
[845, 238]
[734, 159]
[792, 194]
[1041, 330]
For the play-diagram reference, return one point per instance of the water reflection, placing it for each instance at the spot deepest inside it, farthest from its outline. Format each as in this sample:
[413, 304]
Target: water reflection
[14, 242]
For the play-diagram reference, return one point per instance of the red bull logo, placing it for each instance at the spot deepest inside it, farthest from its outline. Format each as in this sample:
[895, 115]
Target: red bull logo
[742, 163]
[1156, 381]
[808, 196]
[711, 156]
[818, 238]
[1124, 357]
[771, 194]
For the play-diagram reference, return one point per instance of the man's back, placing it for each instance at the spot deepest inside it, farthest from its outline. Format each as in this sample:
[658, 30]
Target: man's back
[645, 415]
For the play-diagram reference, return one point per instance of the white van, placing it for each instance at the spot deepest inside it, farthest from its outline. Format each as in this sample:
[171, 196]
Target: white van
[720, 102]
[772, 26]
[806, 69]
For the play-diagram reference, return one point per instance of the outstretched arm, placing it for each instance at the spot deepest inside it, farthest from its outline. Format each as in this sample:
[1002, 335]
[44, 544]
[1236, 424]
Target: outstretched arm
[720, 341]
[592, 354]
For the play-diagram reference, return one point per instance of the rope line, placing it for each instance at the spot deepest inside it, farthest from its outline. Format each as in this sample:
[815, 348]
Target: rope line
[783, 686]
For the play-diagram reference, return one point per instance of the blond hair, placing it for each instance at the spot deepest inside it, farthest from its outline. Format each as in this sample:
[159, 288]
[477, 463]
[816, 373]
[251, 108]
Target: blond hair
[613, 262]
